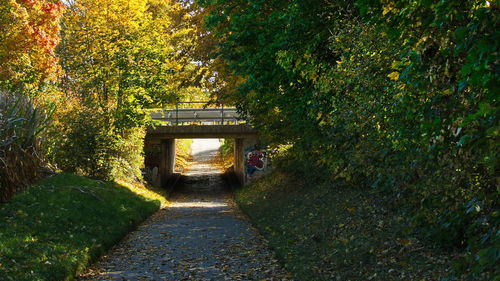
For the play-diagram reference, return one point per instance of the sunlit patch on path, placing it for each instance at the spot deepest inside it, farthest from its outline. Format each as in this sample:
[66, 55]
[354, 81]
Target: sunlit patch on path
[201, 236]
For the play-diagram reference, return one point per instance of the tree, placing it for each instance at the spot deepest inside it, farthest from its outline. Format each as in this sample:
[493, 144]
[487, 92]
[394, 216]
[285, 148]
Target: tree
[396, 95]
[29, 32]
[119, 57]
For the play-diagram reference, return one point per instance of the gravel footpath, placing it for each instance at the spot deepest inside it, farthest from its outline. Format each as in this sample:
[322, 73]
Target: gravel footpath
[201, 236]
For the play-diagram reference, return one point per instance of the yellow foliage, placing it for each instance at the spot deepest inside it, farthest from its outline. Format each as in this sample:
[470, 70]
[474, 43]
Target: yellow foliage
[388, 8]
[125, 48]
[394, 76]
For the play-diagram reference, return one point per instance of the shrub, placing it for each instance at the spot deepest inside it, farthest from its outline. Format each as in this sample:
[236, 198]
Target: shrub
[87, 143]
[21, 122]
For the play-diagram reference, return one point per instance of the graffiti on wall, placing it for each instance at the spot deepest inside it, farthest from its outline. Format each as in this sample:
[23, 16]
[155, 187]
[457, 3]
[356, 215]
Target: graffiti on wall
[256, 162]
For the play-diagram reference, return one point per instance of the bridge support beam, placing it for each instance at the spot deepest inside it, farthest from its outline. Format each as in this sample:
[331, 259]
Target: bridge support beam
[239, 160]
[167, 162]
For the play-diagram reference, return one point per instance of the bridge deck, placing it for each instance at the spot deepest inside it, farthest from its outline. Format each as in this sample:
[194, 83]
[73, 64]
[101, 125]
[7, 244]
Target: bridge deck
[201, 131]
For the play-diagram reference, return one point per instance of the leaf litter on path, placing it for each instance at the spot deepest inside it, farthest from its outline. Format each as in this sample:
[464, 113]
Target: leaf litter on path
[202, 235]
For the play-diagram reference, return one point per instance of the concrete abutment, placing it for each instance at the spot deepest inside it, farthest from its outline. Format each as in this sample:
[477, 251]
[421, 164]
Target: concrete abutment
[167, 161]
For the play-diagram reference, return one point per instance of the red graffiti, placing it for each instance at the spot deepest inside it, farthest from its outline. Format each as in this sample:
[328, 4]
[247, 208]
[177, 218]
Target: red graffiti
[256, 159]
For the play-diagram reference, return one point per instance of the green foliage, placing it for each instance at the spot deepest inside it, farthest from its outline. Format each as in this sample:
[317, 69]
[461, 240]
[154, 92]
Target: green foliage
[87, 147]
[401, 96]
[20, 125]
[85, 143]
[58, 227]
[128, 57]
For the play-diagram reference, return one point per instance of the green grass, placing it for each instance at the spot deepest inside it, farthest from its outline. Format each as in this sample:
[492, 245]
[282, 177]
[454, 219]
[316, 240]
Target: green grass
[326, 232]
[56, 228]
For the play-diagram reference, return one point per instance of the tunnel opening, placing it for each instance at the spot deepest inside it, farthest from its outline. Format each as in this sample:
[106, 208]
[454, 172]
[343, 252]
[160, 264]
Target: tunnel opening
[204, 174]
[169, 163]
[249, 160]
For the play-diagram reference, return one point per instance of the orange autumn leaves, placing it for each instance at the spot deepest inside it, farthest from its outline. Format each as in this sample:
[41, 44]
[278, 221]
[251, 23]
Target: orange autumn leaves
[29, 32]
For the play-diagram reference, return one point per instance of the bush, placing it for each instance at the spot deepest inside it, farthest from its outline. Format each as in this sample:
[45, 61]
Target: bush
[21, 122]
[86, 142]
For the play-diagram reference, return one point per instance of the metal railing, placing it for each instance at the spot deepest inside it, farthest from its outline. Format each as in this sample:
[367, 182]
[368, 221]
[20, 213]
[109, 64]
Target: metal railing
[219, 115]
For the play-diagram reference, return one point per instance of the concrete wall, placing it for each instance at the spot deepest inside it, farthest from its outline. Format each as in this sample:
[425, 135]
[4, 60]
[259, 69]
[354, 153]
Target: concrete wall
[167, 162]
[251, 160]
[239, 160]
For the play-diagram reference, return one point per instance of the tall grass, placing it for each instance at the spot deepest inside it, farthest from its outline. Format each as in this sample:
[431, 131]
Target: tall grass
[20, 124]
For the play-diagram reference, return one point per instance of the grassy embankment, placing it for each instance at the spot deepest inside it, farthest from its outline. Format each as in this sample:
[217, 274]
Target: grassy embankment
[56, 228]
[324, 232]
[182, 154]
[225, 156]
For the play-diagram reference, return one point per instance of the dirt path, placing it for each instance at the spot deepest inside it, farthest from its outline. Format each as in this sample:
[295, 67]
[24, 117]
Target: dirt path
[201, 236]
